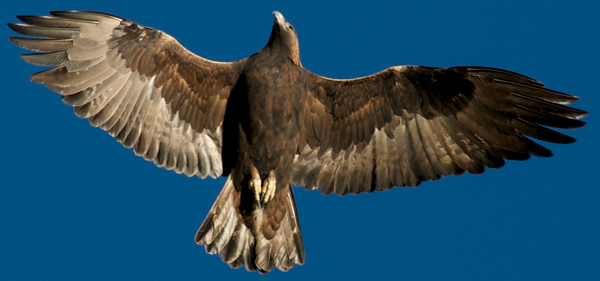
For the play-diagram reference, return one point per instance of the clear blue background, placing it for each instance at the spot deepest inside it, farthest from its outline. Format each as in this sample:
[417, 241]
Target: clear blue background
[76, 205]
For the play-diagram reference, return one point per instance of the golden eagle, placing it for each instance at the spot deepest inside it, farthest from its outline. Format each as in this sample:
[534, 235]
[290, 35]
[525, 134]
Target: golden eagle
[266, 122]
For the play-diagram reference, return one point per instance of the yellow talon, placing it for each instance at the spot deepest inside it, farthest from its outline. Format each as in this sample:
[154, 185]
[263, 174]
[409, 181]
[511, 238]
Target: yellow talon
[268, 188]
[254, 185]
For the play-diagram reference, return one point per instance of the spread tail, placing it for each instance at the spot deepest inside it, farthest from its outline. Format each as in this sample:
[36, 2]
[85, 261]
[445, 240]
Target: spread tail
[260, 240]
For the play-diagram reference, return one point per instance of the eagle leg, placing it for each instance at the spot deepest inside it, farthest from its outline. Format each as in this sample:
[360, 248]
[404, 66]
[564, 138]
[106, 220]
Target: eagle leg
[268, 188]
[255, 185]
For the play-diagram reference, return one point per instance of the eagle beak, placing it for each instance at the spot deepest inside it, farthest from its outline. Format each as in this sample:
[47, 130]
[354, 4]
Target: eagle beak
[279, 19]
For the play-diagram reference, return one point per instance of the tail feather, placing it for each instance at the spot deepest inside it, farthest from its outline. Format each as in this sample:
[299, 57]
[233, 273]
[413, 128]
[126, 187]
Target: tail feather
[262, 240]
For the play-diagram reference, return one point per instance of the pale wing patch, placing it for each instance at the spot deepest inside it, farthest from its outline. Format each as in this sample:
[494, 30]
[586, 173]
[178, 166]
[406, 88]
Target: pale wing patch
[147, 124]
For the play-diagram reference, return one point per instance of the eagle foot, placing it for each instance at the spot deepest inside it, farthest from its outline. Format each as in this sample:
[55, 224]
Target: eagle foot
[268, 188]
[255, 186]
[264, 192]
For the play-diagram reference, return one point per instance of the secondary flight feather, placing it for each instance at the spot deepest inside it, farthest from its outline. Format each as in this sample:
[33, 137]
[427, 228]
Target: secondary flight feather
[266, 122]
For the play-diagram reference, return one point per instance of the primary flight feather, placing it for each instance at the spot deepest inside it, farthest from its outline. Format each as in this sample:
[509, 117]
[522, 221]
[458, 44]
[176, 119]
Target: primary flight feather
[266, 122]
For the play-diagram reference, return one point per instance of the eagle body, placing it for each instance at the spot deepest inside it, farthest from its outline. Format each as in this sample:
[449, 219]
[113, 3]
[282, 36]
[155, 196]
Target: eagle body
[266, 122]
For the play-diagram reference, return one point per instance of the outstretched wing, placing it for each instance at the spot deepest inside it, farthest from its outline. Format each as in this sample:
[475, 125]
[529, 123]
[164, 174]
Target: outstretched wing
[409, 124]
[137, 83]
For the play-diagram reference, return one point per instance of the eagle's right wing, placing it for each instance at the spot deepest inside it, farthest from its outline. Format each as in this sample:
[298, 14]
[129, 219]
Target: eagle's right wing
[137, 83]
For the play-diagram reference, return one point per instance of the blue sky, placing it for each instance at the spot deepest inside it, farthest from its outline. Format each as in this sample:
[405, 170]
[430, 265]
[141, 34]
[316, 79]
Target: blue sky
[76, 205]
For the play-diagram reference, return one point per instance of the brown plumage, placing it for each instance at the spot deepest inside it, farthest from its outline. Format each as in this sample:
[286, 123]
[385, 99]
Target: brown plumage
[266, 122]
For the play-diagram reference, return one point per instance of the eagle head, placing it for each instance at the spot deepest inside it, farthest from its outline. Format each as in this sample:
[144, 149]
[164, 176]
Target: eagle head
[284, 38]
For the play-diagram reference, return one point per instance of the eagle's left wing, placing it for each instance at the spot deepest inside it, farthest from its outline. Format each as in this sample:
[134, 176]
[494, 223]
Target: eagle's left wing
[410, 124]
